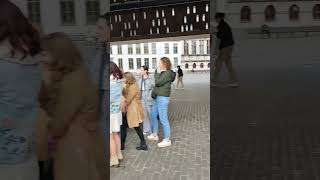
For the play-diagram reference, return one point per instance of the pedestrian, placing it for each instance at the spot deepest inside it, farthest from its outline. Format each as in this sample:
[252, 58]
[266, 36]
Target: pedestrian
[146, 84]
[71, 101]
[20, 83]
[134, 115]
[161, 93]
[180, 78]
[115, 114]
[225, 46]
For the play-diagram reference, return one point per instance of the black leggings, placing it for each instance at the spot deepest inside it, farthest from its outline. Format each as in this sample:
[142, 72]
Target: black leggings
[123, 130]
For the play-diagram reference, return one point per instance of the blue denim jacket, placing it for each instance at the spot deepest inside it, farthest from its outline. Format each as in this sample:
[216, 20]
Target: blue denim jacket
[19, 85]
[115, 95]
[146, 90]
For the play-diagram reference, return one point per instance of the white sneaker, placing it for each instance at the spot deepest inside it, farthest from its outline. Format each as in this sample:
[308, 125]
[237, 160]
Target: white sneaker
[164, 143]
[153, 137]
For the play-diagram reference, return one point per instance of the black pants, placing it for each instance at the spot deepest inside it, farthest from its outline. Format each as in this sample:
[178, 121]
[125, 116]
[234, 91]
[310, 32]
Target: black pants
[123, 130]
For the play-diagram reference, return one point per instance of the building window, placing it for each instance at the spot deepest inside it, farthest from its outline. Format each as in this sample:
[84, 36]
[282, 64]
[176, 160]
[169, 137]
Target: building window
[125, 26]
[146, 62]
[162, 13]
[154, 48]
[207, 26]
[201, 46]
[145, 48]
[129, 25]
[173, 12]
[194, 9]
[119, 49]
[168, 29]
[150, 30]
[153, 22]
[138, 49]
[157, 13]
[175, 61]
[154, 63]
[197, 18]
[182, 28]
[93, 11]
[187, 28]
[34, 11]
[166, 48]
[201, 65]
[175, 48]
[185, 19]
[138, 62]
[130, 49]
[116, 18]
[158, 31]
[270, 13]
[159, 22]
[131, 66]
[245, 14]
[144, 15]
[208, 46]
[209, 65]
[134, 16]
[186, 48]
[207, 7]
[188, 10]
[191, 27]
[203, 17]
[164, 22]
[67, 12]
[294, 13]
[194, 47]
[111, 51]
[119, 18]
[120, 63]
[194, 66]
[186, 66]
[316, 11]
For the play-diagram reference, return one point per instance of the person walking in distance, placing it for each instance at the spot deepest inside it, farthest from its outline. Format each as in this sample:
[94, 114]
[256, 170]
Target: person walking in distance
[225, 45]
[180, 78]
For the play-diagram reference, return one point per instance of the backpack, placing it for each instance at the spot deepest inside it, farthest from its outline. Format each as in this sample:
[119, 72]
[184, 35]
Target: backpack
[173, 76]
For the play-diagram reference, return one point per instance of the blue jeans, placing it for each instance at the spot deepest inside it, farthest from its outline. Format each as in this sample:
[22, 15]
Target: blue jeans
[160, 107]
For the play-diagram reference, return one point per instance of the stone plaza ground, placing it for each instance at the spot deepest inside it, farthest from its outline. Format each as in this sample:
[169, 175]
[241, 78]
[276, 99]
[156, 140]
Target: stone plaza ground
[268, 129]
[189, 156]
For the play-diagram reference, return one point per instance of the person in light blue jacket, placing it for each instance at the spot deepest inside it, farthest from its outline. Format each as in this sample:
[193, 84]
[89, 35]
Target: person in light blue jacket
[20, 79]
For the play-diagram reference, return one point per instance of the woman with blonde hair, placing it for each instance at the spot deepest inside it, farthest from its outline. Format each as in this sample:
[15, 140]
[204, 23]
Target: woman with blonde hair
[161, 92]
[71, 101]
[134, 110]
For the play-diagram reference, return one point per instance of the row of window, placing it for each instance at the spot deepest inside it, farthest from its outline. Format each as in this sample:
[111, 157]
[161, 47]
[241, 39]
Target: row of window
[146, 49]
[194, 66]
[67, 9]
[137, 63]
[194, 47]
[270, 13]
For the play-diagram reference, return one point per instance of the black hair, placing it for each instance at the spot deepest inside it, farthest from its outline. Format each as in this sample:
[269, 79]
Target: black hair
[219, 15]
[146, 68]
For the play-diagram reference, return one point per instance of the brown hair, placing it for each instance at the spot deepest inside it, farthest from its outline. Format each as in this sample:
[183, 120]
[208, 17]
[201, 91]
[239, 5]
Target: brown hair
[115, 71]
[66, 58]
[166, 62]
[130, 80]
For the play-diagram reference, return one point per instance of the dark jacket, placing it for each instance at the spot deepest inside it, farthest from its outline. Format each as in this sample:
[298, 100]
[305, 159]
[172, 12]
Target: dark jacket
[163, 83]
[180, 73]
[225, 35]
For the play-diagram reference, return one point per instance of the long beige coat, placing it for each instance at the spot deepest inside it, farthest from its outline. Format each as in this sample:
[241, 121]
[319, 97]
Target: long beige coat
[135, 112]
[80, 150]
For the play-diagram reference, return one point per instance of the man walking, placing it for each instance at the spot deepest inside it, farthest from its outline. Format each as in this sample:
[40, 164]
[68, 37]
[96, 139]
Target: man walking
[225, 44]
[180, 78]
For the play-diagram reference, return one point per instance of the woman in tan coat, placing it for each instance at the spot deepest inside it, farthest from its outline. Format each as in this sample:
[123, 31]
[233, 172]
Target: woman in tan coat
[134, 115]
[71, 101]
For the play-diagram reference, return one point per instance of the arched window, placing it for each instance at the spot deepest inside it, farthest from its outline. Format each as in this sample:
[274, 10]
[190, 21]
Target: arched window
[186, 66]
[270, 13]
[209, 65]
[294, 13]
[316, 11]
[201, 65]
[245, 14]
[194, 65]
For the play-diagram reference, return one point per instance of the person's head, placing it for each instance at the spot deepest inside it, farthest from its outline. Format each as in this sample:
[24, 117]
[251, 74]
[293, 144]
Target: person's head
[165, 63]
[129, 78]
[219, 16]
[115, 71]
[60, 54]
[144, 70]
[178, 67]
[17, 30]
[102, 29]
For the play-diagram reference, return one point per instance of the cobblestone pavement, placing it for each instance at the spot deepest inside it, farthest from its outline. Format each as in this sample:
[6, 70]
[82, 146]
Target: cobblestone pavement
[268, 129]
[189, 156]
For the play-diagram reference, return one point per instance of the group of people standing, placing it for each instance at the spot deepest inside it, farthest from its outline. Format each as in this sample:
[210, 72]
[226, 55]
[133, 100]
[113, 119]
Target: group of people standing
[139, 103]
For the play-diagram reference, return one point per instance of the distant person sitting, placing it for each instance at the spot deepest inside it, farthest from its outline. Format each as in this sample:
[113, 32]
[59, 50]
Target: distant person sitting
[180, 78]
[225, 44]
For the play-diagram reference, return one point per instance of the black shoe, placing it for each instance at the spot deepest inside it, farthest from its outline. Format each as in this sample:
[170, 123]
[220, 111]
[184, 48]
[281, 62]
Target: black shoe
[142, 147]
[122, 146]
